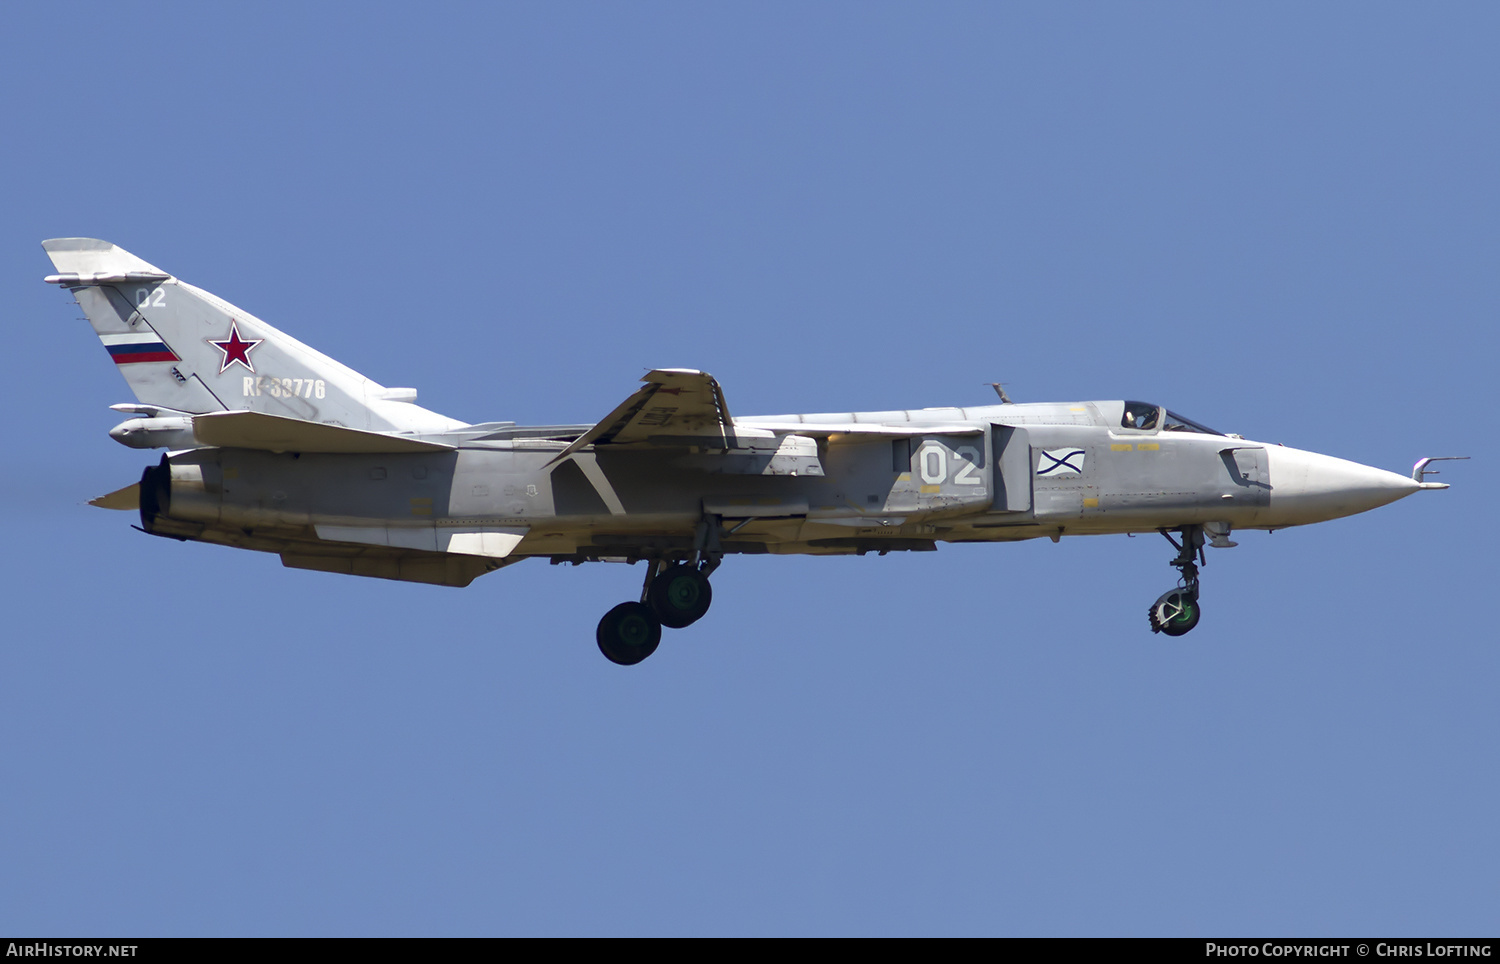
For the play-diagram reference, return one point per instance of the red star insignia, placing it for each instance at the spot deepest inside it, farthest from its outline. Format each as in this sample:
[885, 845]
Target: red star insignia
[236, 349]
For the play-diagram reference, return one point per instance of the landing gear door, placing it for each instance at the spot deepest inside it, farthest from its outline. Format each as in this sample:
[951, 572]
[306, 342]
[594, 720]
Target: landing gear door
[1012, 448]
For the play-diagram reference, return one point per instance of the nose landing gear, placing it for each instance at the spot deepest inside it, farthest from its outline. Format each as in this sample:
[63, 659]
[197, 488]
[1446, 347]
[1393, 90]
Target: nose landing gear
[1176, 611]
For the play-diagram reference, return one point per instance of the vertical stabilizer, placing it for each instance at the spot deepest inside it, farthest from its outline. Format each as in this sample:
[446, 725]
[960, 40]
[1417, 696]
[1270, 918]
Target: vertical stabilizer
[184, 349]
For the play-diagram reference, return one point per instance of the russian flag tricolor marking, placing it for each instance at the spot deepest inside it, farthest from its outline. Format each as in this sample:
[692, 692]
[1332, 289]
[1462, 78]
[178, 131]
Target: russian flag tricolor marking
[144, 347]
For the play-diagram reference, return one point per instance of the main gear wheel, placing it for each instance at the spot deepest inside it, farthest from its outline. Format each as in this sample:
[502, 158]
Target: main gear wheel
[679, 596]
[628, 633]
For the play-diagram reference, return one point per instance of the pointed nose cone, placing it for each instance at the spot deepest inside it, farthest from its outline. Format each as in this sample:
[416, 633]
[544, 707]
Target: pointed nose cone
[1308, 487]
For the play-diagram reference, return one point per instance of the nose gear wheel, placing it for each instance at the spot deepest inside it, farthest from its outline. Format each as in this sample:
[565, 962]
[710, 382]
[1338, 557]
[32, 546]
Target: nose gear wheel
[1177, 611]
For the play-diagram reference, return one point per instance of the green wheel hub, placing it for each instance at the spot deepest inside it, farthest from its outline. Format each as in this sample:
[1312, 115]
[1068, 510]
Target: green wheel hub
[1175, 613]
[683, 592]
[628, 634]
[679, 596]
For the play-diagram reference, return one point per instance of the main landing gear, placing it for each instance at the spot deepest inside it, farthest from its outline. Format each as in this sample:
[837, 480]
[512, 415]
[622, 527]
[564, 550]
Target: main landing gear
[1176, 611]
[675, 595]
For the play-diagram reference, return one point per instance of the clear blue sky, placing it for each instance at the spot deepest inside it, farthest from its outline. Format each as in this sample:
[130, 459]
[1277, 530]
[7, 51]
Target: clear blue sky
[1278, 219]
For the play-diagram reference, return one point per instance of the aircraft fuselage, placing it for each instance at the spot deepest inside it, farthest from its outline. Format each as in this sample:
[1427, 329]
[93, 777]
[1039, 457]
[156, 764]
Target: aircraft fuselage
[889, 481]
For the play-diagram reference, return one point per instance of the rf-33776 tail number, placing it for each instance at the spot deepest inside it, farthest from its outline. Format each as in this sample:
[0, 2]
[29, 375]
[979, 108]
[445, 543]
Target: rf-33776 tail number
[283, 387]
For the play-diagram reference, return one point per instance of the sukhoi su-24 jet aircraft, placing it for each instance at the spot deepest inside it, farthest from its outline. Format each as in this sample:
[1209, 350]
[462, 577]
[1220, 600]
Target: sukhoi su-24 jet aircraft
[276, 447]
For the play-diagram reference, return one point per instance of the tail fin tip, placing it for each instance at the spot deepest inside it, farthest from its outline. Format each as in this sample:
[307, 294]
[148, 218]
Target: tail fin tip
[93, 256]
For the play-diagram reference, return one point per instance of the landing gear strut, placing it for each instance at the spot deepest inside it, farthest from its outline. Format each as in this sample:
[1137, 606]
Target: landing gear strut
[1176, 611]
[675, 595]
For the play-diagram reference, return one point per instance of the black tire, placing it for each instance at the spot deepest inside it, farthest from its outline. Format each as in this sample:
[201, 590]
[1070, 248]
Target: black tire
[1175, 613]
[679, 596]
[628, 634]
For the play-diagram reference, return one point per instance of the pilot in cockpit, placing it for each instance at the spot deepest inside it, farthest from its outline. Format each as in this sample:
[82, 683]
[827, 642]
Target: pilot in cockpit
[1139, 415]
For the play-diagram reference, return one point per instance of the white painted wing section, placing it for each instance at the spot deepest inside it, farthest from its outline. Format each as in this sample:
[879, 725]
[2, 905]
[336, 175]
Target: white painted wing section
[277, 433]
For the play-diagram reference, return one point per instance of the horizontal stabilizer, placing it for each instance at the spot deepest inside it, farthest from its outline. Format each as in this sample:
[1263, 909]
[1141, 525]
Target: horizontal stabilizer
[126, 498]
[277, 433]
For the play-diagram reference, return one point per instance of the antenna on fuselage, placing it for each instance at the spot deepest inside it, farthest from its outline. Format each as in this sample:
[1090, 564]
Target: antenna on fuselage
[999, 388]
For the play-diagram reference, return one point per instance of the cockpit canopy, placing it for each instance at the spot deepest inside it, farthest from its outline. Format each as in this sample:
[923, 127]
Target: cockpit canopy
[1144, 417]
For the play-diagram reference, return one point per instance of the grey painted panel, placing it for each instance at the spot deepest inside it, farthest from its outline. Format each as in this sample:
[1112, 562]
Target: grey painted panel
[1013, 481]
[1064, 463]
[1141, 477]
[573, 495]
[500, 484]
[945, 473]
[263, 486]
[1059, 503]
